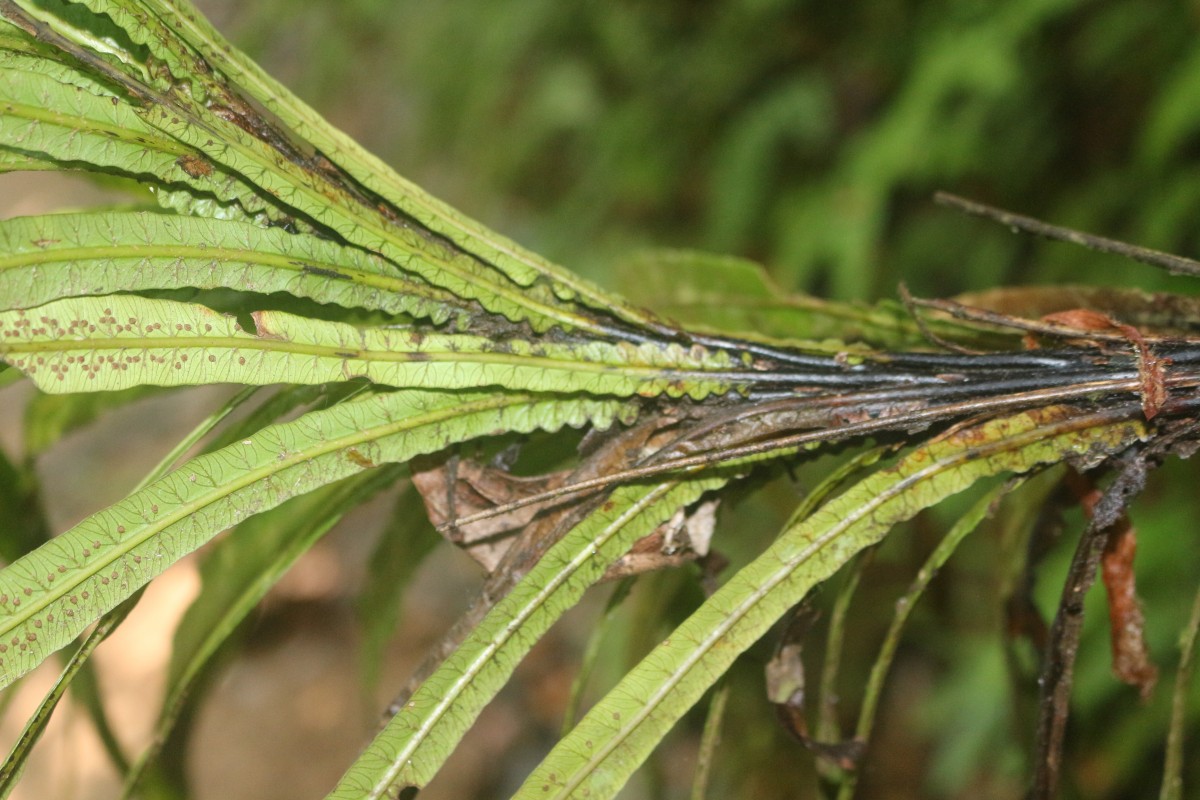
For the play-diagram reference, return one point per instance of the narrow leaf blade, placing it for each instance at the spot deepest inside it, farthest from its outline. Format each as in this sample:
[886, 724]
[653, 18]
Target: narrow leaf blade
[50, 595]
[65, 255]
[421, 736]
[107, 343]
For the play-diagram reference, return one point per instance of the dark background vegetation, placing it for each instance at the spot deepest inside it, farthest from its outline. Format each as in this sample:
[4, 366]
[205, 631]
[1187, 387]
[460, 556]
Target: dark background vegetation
[809, 137]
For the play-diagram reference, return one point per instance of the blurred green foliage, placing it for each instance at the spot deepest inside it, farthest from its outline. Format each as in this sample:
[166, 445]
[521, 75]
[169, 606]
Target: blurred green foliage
[809, 137]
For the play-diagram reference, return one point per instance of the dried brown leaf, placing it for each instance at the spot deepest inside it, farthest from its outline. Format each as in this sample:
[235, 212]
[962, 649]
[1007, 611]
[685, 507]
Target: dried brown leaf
[454, 488]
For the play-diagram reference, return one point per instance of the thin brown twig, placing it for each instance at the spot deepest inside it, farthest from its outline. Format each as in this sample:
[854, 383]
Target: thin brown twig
[1043, 327]
[1058, 667]
[1177, 265]
[1058, 671]
[908, 301]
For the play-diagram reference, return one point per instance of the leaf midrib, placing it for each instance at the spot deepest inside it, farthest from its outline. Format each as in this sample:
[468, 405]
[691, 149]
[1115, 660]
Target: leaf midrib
[296, 263]
[348, 352]
[145, 140]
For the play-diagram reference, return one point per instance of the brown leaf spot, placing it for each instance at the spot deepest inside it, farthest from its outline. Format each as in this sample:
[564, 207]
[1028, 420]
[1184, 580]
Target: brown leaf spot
[355, 457]
[194, 165]
[470, 487]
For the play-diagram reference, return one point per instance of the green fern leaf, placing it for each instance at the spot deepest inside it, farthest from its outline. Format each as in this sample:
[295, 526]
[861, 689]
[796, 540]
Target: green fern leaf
[107, 343]
[65, 255]
[50, 595]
